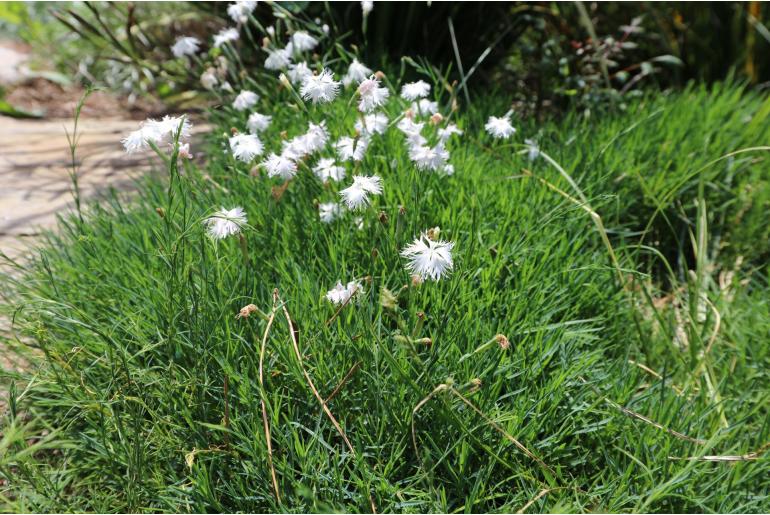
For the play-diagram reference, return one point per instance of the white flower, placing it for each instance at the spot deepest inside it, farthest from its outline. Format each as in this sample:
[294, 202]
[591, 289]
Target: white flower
[429, 259]
[429, 158]
[342, 294]
[357, 194]
[280, 166]
[448, 169]
[240, 10]
[184, 151]
[245, 147]
[209, 79]
[366, 7]
[279, 58]
[225, 222]
[320, 88]
[500, 128]
[185, 45]
[225, 36]
[412, 131]
[325, 28]
[329, 211]
[357, 73]
[245, 100]
[303, 41]
[415, 90]
[327, 169]
[157, 132]
[299, 72]
[349, 148]
[375, 123]
[533, 151]
[446, 132]
[271, 31]
[316, 137]
[425, 107]
[258, 122]
[371, 95]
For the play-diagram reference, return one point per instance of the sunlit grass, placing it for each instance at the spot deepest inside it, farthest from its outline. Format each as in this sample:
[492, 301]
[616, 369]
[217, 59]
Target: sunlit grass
[616, 374]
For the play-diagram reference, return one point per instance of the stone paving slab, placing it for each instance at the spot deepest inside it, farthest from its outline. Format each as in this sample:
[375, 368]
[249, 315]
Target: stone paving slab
[34, 161]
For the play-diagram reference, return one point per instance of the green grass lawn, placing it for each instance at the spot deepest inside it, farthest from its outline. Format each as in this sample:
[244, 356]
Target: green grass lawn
[639, 342]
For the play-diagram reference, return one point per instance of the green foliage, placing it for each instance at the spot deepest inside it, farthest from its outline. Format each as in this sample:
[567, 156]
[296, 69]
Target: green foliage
[134, 310]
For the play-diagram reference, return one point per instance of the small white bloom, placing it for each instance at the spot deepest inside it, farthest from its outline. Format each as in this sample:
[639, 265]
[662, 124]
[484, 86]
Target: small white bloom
[350, 148]
[280, 166]
[325, 28]
[245, 147]
[320, 88]
[157, 132]
[342, 294]
[209, 79]
[429, 259]
[329, 211]
[240, 10]
[375, 123]
[271, 31]
[371, 95]
[303, 41]
[357, 73]
[227, 87]
[136, 140]
[299, 72]
[184, 151]
[225, 36]
[446, 132]
[448, 169]
[279, 58]
[226, 222]
[425, 107]
[429, 158]
[245, 100]
[258, 122]
[533, 151]
[415, 90]
[357, 194]
[366, 7]
[412, 131]
[316, 137]
[185, 45]
[500, 128]
[327, 169]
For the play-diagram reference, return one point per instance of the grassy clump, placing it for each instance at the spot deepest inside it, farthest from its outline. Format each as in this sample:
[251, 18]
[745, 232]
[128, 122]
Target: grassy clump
[135, 315]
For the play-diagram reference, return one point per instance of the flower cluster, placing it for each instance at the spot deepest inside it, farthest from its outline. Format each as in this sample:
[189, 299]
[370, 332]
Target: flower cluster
[329, 157]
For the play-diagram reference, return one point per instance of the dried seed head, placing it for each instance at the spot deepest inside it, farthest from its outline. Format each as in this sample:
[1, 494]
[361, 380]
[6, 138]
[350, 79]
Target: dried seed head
[416, 281]
[409, 114]
[436, 119]
[434, 233]
[383, 217]
[161, 212]
[502, 341]
[379, 75]
[246, 311]
[401, 210]
[375, 253]
[387, 299]
[233, 131]
[475, 385]
[265, 42]
[284, 134]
